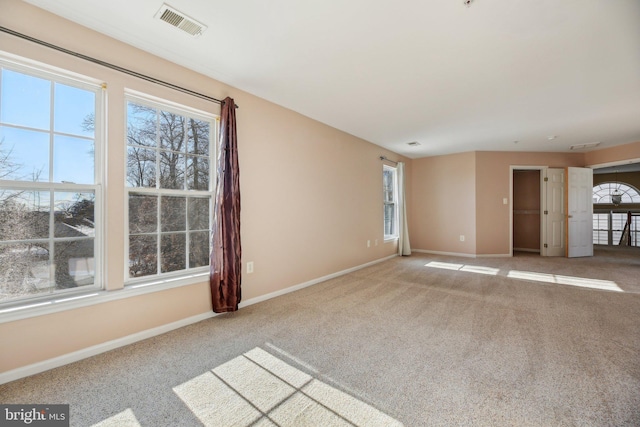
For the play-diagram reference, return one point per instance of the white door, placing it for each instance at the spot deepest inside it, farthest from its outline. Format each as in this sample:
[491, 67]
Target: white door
[580, 211]
[554, 216]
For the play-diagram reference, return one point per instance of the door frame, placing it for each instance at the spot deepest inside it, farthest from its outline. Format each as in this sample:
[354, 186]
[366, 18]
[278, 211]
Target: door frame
[512, 169]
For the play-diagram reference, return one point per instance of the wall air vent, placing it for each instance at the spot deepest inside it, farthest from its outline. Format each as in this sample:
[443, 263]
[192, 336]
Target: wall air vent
[180, 20]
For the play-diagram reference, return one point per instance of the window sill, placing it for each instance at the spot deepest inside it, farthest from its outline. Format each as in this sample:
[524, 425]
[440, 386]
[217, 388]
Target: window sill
[55, 305]
[388, 239]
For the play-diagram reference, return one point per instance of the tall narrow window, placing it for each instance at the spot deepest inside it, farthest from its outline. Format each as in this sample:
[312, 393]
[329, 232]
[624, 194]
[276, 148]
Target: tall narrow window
[49, 187]
[169, 160]
[390, 199]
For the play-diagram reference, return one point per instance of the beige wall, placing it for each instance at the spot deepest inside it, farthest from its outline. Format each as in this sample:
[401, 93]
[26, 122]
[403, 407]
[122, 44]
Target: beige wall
[443, 203]
[492, 185]
[311, 195]
[462, 194]
[619, 153]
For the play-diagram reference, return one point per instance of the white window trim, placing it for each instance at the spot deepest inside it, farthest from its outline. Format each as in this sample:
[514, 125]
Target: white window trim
[59, 75]
[181, 277]
[396, 236]
[35, 308]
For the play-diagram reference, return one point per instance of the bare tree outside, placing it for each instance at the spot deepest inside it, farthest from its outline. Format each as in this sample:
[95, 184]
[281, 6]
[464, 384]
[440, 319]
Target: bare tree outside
[166, 151]
[47, 233]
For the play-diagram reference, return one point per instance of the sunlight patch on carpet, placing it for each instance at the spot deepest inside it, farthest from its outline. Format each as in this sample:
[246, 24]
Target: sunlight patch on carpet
[125, 418]
[606, 285]
[462, 267]
[260, 389]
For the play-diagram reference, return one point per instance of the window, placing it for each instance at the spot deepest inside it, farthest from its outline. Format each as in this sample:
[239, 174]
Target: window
[602, 193]
[609, 228]
[49, 183]
[168, 178]
[390, 198]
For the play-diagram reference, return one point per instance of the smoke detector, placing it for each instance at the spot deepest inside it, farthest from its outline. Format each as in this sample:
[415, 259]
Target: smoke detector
[180, 20]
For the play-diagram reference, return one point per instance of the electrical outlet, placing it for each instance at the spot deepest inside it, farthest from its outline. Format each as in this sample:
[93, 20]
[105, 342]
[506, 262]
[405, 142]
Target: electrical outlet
[368, 243]
[462, 237]
[376, 242]
[250, 267]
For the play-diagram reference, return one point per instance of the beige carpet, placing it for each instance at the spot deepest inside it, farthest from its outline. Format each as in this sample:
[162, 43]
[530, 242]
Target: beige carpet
[420, 340]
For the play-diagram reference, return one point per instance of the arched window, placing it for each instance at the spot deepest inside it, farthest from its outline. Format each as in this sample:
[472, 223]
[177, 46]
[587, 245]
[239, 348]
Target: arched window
[602, 193]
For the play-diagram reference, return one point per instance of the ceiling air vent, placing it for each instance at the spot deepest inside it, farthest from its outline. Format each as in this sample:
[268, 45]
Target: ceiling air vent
[180, 20]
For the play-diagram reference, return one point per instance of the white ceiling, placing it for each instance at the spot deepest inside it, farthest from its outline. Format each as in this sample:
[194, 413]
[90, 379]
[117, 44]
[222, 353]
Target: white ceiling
[451, 77]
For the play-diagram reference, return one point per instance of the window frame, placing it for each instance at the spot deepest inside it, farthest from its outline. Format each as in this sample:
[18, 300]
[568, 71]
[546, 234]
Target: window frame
[610, 186]
[394, 203]
[55, 75]
[185, 276]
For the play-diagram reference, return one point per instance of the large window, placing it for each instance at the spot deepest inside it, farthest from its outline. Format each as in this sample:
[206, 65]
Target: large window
[390, 198]
[168, 176]
[603, 193]
[609, 228]
[49, 183]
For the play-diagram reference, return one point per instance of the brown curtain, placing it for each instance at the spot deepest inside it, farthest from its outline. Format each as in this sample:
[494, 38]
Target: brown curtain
[226, 268]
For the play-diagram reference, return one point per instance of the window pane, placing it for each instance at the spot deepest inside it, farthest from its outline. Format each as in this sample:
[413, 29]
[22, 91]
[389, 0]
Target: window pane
[74, 263]
[25, 100]
[389, 219]
[198, 249]
[173, 212]
[74, 214]
[24, 155]
[74, 110]
[143, 213]
[197, 173]
[198, 213]
[173, 252]
[198, 133]
[143, 255]
[24, 271]
[73, 160]
[179, 161]
[141, 167]
[24, 214]
[172, 135]
[141, 125]
[172, 170]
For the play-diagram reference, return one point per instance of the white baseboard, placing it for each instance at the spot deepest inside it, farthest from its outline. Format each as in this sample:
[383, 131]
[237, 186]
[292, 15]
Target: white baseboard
[311, 282]
[75, 356]
[458, 254]
[65, 359]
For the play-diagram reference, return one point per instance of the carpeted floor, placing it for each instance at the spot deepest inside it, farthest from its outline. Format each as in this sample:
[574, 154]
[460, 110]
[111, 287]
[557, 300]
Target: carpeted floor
[416, 341]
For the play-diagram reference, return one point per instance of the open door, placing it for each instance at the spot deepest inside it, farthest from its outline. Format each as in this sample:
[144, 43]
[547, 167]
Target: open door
[554, 217]
[580, 212]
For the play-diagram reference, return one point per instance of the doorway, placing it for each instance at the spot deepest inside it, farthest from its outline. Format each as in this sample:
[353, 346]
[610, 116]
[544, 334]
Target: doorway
[526, 210]
[538, 210]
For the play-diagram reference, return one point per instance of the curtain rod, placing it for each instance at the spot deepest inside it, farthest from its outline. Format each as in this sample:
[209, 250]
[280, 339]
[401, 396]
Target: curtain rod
[113, 66]
[384, 159]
